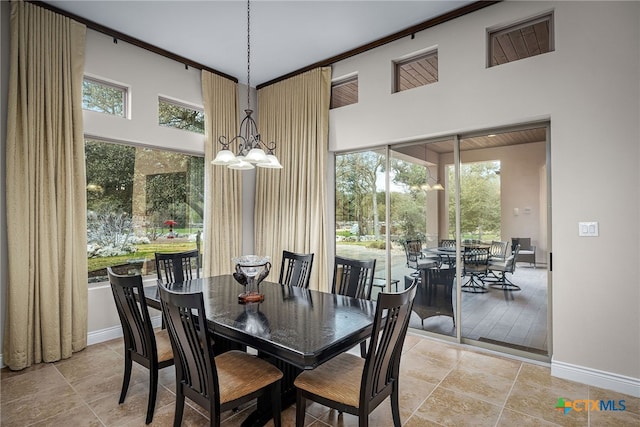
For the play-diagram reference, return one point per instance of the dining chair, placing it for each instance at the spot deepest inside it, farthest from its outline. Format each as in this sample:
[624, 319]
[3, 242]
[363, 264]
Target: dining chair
[141, 344]
[295, 269]
[497, 270]
[178, 266]
[217, 383]
[354, 278]
[355, 385]
[475, 263]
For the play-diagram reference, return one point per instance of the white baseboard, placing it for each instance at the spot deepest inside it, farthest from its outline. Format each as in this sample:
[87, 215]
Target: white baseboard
[596, 378]
[114, 332]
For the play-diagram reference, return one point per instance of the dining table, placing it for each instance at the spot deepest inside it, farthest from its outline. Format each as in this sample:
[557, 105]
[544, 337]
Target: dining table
[294, 328]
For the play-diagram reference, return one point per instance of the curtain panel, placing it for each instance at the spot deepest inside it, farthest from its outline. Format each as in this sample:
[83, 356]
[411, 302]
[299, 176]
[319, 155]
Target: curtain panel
[223, 186]
[46, 316]
[290, 211]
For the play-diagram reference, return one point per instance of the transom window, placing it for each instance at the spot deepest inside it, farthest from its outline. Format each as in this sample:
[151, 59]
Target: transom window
[104, 97]
[417, 71]
[180, 116]
[523, 40]
[344, 92]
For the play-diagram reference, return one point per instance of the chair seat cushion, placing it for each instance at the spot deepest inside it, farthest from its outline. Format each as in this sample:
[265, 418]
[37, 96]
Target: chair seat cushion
[240, 374]
[163, 344]
[338, 379]
[526, 252]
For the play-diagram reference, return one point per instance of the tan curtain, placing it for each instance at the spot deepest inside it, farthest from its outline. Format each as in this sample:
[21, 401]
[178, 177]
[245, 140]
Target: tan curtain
[290, 210]
[223, 186]
[45, 188]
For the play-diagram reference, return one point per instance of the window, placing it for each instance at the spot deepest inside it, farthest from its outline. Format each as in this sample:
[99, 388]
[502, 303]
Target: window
[530, 38]
[416, 71]
[103, 97]
[180, 116]
[344, 92]
[140, 201]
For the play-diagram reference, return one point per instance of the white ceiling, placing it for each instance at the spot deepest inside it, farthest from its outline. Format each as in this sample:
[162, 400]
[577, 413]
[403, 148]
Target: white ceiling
[285, 35]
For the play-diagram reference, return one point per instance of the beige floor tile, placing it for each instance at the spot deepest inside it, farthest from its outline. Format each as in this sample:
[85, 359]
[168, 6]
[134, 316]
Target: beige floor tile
[540, 401]
[614, 419]
[632, 404]
[490, 364]
[510, 418]
[6, 373]
[31, 382]
[413, 392]
[414, 365]
[163, 417]
[81, 416]
[83, 364]
[449, 408]
[134, 408]
[40, 406]
[437, 350]
[479, 385]
[417, 421]
[96, 387]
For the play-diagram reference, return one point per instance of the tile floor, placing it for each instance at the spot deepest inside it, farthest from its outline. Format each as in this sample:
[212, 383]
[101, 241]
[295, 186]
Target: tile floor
[441, 385]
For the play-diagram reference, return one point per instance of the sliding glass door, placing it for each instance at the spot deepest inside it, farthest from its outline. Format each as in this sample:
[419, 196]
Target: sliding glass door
[424, 208]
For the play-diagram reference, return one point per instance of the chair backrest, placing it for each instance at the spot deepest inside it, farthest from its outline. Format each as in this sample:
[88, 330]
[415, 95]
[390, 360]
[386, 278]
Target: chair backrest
[382, 364]
[511, 261]
[498, 249]
[352, 277]
[137, 329]
[295, 269]
[177, 267]
[413, 251]
[447, 243]
[524, 242]
[186, 322]
[475, 258]
[441, 276]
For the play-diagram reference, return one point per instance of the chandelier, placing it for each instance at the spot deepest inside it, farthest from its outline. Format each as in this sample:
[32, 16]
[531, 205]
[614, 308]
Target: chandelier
[251, 149]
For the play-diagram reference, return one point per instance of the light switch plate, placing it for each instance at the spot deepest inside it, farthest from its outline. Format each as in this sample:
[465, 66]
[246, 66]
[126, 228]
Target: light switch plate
[588, 229]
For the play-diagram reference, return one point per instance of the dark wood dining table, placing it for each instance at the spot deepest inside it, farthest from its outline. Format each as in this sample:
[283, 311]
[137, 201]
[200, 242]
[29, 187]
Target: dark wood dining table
[294, 328]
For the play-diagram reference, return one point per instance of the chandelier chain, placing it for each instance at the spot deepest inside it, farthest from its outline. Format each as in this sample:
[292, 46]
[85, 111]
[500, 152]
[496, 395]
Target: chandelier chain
[248, 52]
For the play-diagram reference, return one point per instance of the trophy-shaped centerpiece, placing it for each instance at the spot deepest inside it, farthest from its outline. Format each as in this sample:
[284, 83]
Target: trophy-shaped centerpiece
[250, 271]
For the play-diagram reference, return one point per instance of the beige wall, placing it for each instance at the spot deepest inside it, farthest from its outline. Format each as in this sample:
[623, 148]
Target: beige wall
[589, 90]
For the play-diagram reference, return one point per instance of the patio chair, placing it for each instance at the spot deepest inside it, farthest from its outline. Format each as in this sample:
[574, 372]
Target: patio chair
[416, 259]
[475, 263]
[527, 250]
[497, 270]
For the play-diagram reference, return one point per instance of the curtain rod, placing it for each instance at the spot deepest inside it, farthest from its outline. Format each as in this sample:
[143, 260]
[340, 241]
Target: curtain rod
[472, 7]
[117, 35]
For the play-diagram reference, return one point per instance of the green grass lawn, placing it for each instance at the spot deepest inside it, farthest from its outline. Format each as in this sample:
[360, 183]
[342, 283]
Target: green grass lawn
[144, 252]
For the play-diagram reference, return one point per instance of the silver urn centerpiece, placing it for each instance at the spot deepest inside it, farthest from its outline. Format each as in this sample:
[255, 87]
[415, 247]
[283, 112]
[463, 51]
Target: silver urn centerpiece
[250, 271]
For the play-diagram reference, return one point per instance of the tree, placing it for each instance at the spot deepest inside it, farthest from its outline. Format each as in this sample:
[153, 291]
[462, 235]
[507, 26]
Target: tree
[410, 208]
[100, 97]
[110, 173]
[479, 199]
[180, 117]
[356, 176]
